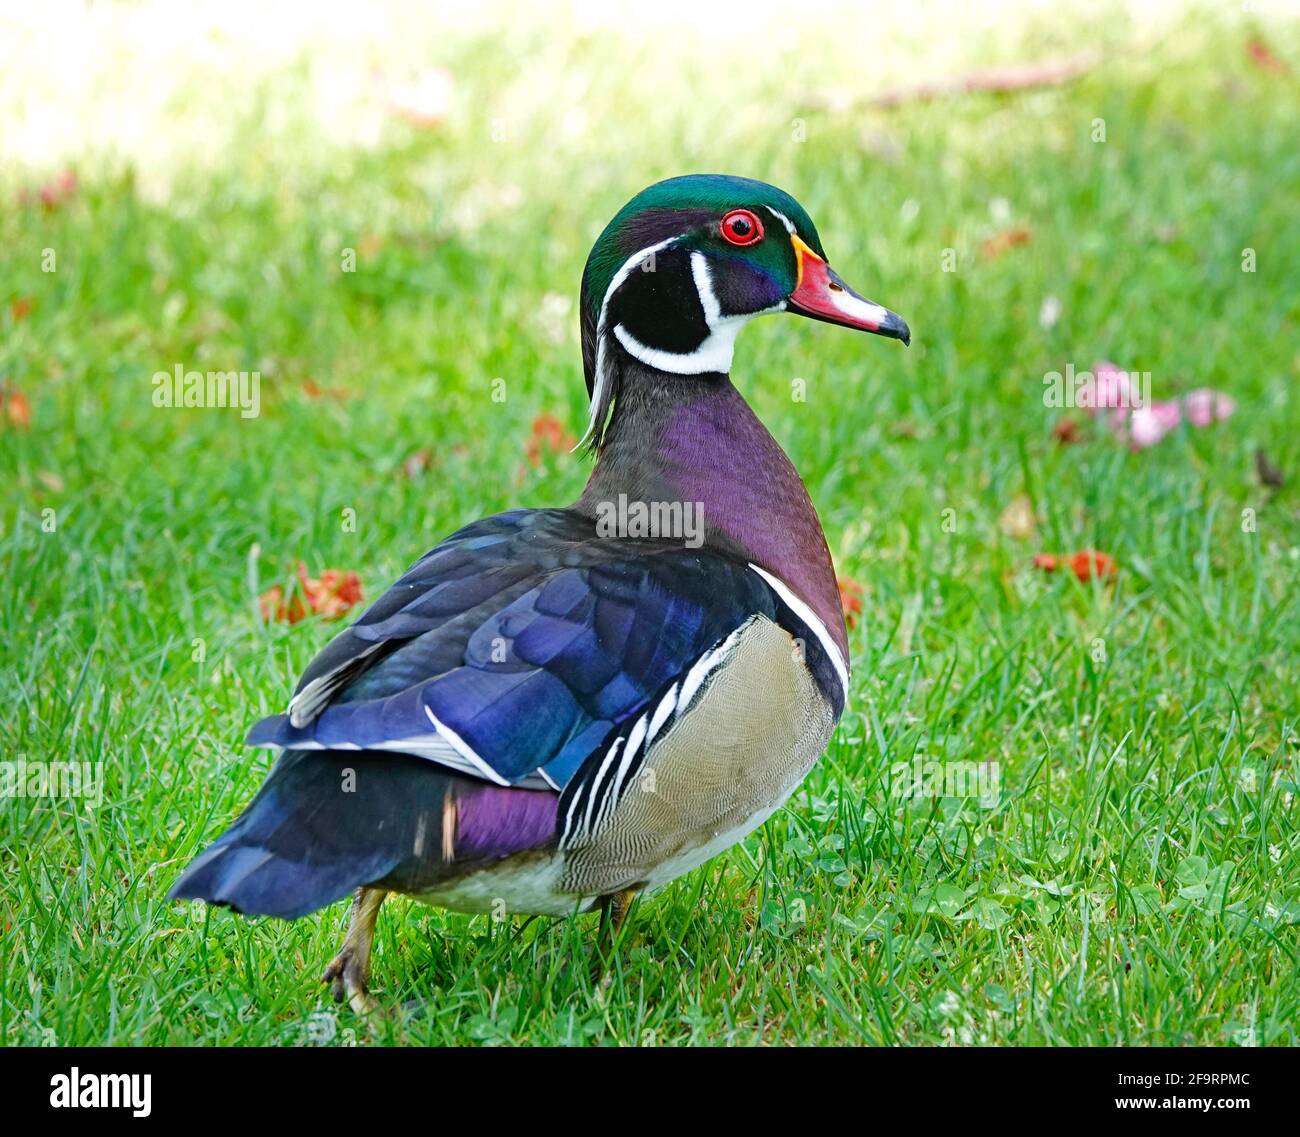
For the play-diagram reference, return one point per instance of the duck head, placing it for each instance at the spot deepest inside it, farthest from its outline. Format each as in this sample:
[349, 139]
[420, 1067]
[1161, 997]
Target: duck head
[687, 263]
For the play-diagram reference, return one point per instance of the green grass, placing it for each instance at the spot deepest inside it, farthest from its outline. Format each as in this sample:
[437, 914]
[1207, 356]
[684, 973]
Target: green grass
[1137, 879]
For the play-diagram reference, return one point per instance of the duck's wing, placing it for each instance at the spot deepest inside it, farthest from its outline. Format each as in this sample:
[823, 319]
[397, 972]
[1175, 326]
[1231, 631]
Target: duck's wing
[517, 647]
[523, 654]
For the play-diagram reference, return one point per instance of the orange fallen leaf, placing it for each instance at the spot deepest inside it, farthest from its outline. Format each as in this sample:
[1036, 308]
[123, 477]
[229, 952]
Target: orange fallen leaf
[851, 595]
[548, 434]
[416, 463]
[14, 408]
[335, 593]
[1086, 564]
[314, 390]
[1066, 431]
[993, 247]
[21, 307]
[275, 609]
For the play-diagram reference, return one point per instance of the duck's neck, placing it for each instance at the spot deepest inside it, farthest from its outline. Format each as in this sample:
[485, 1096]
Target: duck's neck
[693, 439]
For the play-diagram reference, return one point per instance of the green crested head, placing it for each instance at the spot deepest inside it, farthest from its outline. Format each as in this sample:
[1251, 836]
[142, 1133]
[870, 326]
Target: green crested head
[690, 209]
[687, 263]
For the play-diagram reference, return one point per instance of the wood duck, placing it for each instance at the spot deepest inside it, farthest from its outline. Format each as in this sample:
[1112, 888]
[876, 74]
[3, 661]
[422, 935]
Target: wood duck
[546, 715]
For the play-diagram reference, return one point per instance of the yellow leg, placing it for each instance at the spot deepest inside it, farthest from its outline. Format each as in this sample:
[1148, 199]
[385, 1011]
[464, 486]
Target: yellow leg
[613, 911]
[349, 971]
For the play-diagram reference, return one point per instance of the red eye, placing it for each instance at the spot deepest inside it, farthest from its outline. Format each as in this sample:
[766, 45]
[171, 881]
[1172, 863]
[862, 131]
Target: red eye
[740, 227]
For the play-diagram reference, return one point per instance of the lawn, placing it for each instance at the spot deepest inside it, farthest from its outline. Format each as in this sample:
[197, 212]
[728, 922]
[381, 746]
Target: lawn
[1133, 876]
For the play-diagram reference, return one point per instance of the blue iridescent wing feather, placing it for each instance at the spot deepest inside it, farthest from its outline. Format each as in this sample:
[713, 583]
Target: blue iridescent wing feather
[525, 637]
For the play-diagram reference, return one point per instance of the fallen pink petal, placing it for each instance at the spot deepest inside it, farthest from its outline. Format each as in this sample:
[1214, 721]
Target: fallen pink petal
[1206, 405]
[1118, 395]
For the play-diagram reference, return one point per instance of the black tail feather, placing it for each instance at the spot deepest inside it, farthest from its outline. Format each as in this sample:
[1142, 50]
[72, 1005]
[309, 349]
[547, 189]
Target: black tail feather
[323, 824]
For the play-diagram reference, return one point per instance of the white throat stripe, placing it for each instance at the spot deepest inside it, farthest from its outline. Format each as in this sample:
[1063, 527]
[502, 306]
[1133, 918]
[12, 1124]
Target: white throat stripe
[714, 354]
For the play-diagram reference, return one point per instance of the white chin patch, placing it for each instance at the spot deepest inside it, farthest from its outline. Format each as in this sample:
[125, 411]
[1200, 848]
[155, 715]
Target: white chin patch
[714, 354]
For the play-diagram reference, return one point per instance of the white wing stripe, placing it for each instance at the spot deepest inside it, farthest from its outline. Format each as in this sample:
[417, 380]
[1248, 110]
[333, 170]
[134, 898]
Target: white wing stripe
[615, 791]
[592, 789]
[707, 663]
[666, 707]
[466, 751]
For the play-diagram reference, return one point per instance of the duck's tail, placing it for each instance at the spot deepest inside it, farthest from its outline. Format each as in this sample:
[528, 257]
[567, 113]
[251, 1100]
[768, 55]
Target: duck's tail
[324, 823]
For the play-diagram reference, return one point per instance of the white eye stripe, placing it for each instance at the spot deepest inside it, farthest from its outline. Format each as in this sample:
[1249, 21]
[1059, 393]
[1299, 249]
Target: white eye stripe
[781, 217]
[713, 355]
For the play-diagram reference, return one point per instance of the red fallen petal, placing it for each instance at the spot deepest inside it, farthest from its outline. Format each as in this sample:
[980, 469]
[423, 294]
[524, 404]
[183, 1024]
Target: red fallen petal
[1109, 389]
[1114, 393]
[851, 594]
[57, 189]
[1087, 564]
[1206, 405]
[1263, 57]
[1201, 407]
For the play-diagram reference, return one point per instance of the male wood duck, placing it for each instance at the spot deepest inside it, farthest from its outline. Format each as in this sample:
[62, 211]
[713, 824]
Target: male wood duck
[544, 715]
